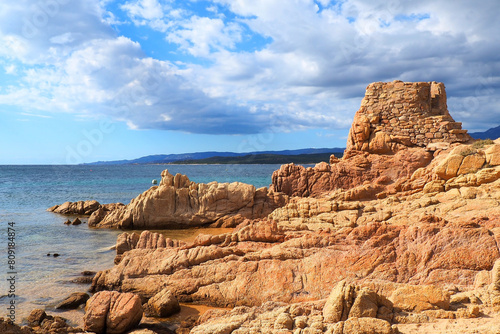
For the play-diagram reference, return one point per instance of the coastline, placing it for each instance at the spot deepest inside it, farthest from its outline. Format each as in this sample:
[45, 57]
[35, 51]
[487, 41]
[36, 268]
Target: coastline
[30, 189]
[402, 230]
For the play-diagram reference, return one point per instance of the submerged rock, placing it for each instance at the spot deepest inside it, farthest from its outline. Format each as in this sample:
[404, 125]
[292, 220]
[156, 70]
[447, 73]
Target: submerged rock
[73, 301]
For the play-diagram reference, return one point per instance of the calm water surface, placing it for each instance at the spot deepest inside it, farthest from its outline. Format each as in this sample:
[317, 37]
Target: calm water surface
[27, 191]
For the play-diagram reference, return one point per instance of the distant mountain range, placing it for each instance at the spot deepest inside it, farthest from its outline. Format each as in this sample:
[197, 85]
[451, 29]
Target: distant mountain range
[492, 133]
[173, 158]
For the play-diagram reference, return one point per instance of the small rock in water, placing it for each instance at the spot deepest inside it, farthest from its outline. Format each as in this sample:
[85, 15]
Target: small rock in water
[88, 273]
[56, 255]
[73, 301]
[86, 277]
[67, 222]
[77, 221]
[83, 280]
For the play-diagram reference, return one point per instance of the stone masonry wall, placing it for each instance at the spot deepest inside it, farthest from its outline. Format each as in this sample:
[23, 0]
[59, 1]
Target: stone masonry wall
[396, 115]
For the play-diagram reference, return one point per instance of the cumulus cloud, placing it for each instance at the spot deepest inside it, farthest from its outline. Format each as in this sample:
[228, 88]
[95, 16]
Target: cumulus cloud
[246, 66]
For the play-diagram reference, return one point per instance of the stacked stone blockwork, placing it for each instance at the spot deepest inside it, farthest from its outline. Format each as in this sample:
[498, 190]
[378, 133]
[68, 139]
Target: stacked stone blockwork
[396, 115]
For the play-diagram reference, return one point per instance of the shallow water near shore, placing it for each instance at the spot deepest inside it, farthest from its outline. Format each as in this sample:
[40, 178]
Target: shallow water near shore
[42, 280]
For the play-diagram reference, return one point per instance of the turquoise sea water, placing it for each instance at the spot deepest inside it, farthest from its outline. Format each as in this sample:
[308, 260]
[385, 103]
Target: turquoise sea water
[27, 191]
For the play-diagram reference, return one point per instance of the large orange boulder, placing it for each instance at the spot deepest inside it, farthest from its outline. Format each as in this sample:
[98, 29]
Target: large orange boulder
[112, 312]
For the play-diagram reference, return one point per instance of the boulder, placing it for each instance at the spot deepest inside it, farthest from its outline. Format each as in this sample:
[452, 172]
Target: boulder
[162, 305]
[365, 305]
[7, 326]
[112, 312]
[419, 298]
[492, 154]
[347, 301]
[339, 303]
[77, 221]
[124, 243]
[36, 317]
[100, 213]
[283, 321]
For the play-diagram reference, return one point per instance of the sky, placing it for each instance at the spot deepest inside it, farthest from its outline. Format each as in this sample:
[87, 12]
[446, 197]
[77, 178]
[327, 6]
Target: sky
[90, 80]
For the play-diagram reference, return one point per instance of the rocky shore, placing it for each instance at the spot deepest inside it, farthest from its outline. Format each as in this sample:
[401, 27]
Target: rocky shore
[401, 235]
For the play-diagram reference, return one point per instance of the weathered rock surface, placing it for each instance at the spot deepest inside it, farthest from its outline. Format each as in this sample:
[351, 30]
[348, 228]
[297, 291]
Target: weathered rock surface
[229, 270]
[177, 202]
[162, 305]
[406, 248]
[147, 240]
[378, 172]
[112, 312]
[405, 228]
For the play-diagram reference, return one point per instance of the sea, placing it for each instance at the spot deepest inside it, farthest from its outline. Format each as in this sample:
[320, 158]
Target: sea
[30, 276]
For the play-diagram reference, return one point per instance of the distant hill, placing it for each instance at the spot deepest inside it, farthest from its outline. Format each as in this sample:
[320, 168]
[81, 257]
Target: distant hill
[265, 159]
[172, 158]
[492, 133]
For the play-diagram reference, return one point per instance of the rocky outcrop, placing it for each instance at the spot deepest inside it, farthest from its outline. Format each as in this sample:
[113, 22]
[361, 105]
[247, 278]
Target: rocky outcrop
[112, 312]
[178, 203]
[227, 270]
[147, 240]
[382, 238]
[381, 172]
[392, 135]
[463, 191]
[397, 255]
[85, 208]
[76, 208]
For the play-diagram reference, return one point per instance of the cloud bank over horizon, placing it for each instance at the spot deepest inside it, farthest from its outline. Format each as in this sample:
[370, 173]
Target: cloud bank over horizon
[243, 67]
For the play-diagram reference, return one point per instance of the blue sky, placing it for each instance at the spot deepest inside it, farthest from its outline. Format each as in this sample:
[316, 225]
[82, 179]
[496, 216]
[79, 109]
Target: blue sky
[88, 80]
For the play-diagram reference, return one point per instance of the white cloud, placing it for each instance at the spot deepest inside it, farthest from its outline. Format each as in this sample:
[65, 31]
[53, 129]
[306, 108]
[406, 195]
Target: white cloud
[11, 69]
[201, 36]
[144, 9]
[249, 65]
